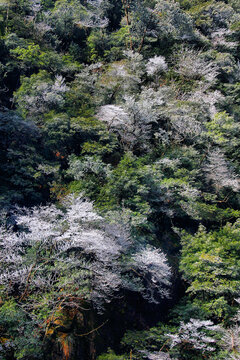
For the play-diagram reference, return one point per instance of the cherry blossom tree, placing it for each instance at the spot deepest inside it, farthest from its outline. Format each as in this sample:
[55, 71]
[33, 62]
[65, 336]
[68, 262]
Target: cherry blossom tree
[193, 65]
[219, 173]
[196, 334]
[39, 94]
[156, 65]
[72, 251]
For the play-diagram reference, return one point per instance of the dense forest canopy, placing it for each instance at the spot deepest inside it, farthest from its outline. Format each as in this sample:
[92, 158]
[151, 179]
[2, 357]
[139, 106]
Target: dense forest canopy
[119, 179]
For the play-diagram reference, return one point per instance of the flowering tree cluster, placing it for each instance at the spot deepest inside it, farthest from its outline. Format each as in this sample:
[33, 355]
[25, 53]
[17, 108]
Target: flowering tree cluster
[219, 173]
[135, 105]
[192, 65]
[46, 94]
[156, 65]
[196, 334]
[72, 254]
[133, 122]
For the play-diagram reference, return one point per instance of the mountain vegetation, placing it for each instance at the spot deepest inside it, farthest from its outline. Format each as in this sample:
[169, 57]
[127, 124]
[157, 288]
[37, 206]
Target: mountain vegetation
[119, 180]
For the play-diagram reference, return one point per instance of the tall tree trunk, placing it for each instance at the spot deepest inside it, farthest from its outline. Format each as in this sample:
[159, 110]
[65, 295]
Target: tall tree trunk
[126, 7]
[92, 336]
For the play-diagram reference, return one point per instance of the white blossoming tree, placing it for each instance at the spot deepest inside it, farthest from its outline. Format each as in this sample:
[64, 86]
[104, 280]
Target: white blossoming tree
[196, 334]
[133, 121]
[40, 93]
[70, 256]
[218, 172]
[193, 65]
[156, 65]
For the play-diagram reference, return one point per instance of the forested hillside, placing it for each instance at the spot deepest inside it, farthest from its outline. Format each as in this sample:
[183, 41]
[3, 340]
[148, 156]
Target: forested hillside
[119, 180]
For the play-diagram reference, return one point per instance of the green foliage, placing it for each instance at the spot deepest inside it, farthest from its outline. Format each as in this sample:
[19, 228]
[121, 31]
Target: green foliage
[210, 264]
[98, 43]
[222, 128]
[212, 15]
[110, 355]
[188, 4]
[31, 56]
[166, 161]
[117, 41]
[19, 336]
[40, 93]
[150, 340]
[21, 181]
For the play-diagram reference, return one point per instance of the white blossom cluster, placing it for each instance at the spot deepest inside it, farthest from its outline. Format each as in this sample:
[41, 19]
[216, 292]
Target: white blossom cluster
[154, 263]
[208, 101]
[156, 65]
[230, 339]
[45, 96]
[185, 121]
[133, 117]
[135, 62]
[92, 17]
[194, 333]
[87, 78]
[219, 38]
[219, 173]
[121, 77]
[128, 122]
[79, 168]
[133, 120]
[73, 247]
[157, 355]
[192, 65]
